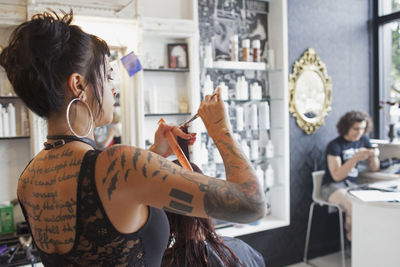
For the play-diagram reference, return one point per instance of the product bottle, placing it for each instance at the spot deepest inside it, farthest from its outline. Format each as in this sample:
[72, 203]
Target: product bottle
[270, 150]
[224, 91]
[238, 95]
[245, 50]
[12, 122]
[256, 50]
[254, 149]
[253, 117]
[6, 122]
[235, 48]
[260, 176]
[208, 59]
[244, 91]
[255, 91]
[239, 118]
[264, 116]
[269, 177]
[208, 86]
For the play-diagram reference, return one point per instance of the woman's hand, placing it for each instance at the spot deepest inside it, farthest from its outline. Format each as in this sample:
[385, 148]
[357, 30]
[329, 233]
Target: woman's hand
[161, 146]
[212, 112]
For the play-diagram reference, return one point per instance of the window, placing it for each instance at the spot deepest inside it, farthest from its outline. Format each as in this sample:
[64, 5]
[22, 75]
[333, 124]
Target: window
[386, 36]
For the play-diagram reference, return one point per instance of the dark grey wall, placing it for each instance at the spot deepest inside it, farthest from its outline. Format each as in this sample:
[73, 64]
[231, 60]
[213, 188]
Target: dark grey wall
[338, 31]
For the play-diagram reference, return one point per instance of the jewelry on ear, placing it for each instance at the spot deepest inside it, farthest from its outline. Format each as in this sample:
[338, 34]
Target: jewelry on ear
[81, 97]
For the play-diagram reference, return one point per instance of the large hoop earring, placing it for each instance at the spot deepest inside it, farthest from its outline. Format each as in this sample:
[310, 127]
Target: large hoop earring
[91, 118]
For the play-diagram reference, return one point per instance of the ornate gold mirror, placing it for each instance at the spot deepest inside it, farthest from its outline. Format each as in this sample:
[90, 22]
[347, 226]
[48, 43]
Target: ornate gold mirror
[310, 91]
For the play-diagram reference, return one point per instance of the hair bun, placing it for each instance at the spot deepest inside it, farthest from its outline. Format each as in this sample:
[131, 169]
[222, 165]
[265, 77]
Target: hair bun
[48, 34]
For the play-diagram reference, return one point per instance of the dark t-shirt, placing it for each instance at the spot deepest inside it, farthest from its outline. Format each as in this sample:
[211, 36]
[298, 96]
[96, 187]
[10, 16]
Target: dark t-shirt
[345, 150]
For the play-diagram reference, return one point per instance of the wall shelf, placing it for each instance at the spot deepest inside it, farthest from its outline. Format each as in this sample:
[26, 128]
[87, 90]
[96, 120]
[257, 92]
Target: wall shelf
[248, 101]
[241, 65]
[14, 137]
[167, 70]
[166, 114]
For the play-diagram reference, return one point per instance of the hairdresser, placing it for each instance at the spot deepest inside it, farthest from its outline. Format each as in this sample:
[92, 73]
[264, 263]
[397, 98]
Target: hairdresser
[87, 207]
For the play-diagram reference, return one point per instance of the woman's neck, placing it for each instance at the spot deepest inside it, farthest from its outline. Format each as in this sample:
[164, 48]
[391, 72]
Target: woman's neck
[57, 125]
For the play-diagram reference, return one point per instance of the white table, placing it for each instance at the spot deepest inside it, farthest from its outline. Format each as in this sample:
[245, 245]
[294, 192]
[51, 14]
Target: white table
[375, 234]
[379, 175]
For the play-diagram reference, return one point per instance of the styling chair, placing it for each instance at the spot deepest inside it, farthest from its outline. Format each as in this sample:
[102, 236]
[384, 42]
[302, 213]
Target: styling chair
[318, 200]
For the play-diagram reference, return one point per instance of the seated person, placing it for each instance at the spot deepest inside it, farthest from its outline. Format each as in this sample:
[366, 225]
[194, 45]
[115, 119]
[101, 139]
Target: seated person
[114, 131]
[343, 155]
[193, 241]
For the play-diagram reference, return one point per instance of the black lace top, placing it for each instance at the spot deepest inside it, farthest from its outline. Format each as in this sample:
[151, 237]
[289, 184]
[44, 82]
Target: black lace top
[98, 243]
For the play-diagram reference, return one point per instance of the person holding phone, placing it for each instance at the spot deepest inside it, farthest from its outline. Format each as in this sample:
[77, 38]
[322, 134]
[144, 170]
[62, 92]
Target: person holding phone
[343, 155]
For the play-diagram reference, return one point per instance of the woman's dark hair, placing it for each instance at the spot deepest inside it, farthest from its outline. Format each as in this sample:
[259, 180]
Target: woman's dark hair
[348, 120]
[44, 52]
[186, 246]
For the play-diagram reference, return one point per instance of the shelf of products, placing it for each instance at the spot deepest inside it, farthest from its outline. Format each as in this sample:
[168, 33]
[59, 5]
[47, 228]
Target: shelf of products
[14, 121]
[167, 70]
[253, 84]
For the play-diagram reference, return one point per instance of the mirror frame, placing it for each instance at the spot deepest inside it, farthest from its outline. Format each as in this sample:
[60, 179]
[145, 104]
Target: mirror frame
[310, 62]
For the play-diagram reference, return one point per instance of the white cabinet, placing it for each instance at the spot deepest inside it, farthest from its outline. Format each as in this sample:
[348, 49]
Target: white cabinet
[166, 90]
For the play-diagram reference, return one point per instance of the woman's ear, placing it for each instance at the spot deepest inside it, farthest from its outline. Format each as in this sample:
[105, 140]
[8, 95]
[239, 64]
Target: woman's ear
[76, 84]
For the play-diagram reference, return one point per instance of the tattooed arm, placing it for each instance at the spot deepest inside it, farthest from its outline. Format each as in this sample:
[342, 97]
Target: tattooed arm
[135, 176]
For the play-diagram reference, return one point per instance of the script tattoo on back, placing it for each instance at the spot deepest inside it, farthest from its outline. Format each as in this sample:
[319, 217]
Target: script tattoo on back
[52, 217]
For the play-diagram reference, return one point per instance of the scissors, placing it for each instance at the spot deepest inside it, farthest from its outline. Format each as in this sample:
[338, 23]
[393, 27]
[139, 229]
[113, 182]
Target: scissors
[195, 116]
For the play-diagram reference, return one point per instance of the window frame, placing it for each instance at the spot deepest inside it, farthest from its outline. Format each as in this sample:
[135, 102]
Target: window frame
[377, 80]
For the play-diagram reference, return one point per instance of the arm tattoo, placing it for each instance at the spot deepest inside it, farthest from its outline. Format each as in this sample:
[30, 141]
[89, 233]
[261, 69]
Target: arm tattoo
[155, 173]
[175, 205]
[179, 194]
[144, 170]
[123, 160]
[136, 157]
[111, 151]
[228, 202]
[148, 157]
[112, 185]
[111, 167]
[126, 175]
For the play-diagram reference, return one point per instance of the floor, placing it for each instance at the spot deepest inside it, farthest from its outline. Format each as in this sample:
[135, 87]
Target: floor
[331, 260]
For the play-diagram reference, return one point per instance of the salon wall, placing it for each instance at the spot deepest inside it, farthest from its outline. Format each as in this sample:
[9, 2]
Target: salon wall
[338, 31]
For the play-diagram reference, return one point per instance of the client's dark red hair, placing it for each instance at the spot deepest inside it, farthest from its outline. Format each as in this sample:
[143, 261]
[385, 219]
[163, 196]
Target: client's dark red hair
[186, 246]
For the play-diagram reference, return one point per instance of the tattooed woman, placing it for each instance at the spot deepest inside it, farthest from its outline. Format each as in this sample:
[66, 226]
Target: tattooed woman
[87, 207]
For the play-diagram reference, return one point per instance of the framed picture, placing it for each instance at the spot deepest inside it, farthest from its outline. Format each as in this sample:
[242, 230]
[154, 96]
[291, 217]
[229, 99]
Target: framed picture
[178, 56]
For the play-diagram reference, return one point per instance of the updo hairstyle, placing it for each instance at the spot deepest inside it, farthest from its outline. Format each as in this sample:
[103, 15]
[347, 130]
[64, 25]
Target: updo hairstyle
[44, 52]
